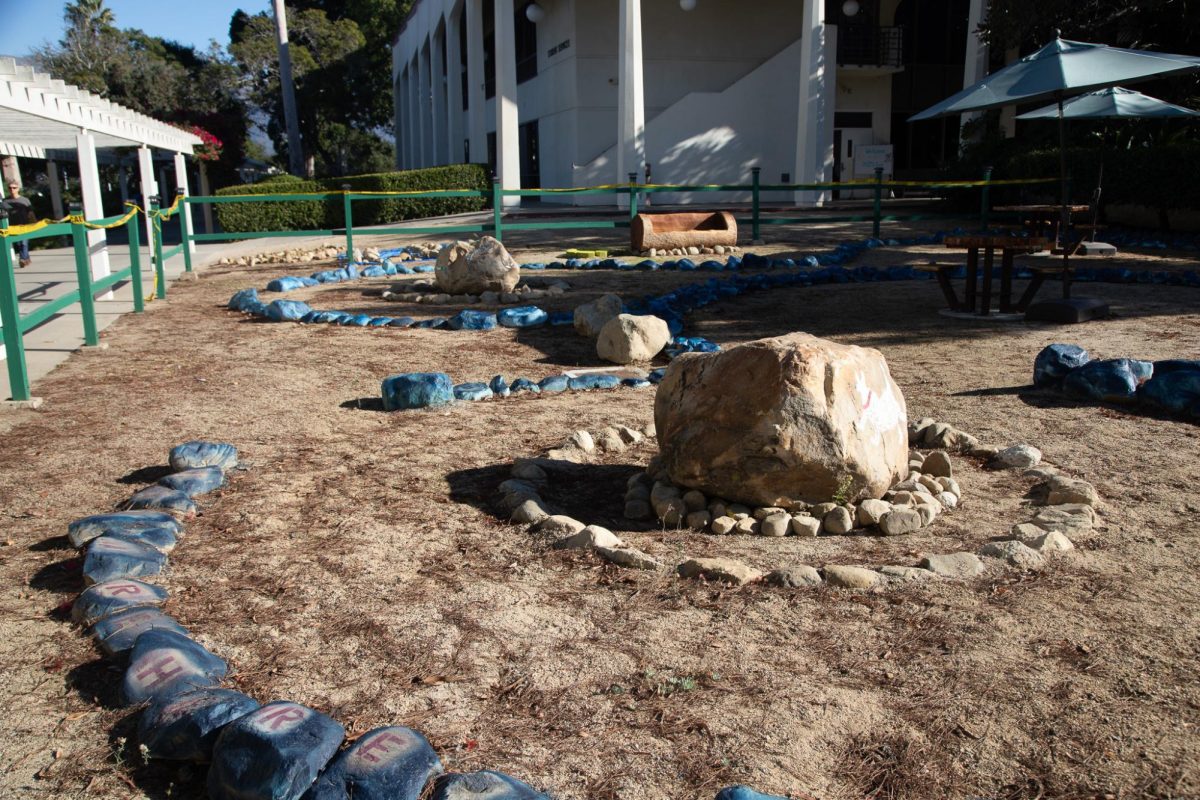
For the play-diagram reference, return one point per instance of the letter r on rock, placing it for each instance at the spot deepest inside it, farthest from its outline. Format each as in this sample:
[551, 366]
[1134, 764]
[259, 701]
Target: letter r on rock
[276, 718]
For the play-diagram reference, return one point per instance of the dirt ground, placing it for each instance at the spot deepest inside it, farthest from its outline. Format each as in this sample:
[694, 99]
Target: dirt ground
[358, 564]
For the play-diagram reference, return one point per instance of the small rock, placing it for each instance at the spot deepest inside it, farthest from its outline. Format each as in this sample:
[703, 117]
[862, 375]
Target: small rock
[698, 520]
[903, 499]
[897, 574]
[775, 525]
[718, 508]
[628, 557]
[954, 565]
[950, 485]
[838, 521]
[582, 440]
[947, 499]
[723, 525]
[694, 500]
[609, 441]
[1042, 473]
[1073, 519]
[529, 472]
[900, 521]
[638, 509]
[1014, 553]
[530, 512]
[762, 513]
[871, 511]
[938, 465]
[983, 451]
[719, 569]
[928, 511]
[628, 435]
[1020, 456]
[916, 455]
[560, 525]
[1049, 542]
[929, 484]
[793, 577]
[845, 577]
[804, 525]
[747, 526]
[591, 536]
[821, 509]
[1070, 490]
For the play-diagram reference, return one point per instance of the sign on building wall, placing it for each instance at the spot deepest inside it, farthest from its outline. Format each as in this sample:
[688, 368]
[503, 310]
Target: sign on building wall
[873, 156]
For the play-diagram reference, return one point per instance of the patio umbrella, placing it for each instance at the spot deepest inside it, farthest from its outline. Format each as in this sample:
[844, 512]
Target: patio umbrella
[1060, 69]
[1113, 102]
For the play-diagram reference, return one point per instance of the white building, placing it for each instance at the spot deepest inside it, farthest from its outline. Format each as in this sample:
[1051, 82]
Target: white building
[572, 93]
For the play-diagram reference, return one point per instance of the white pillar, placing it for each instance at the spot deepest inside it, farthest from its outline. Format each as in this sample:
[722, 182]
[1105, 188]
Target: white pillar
[10, 169]
[93, 207]
[415, 116]
[181, 181]
[508, 150]
[149, 189]
[975, 67]
[477, 124]
[441, 150]
[454, 97]
[397, 117]
[428, 130]
[52, 180]
[817, 85]
[631, 103]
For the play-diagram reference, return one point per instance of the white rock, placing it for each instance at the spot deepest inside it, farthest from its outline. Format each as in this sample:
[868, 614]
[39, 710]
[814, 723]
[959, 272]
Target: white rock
[582, 440]
[589, 537]
[838, 522]
[871, 511]
[723, 525]
[590, 318]
[804, 525]
[1049, 542]
[897, 574]
[954, 565]
[559, 525]
[530, 512]
[463, 269]
[1014, 553]
[629, 339]
[719, 569]
[747, 526]
[775, 525]
[900, 521]
[1071, 490]
[947, 499]
[846, 577]
[628, 435]
[628, 557]
[1019, 456]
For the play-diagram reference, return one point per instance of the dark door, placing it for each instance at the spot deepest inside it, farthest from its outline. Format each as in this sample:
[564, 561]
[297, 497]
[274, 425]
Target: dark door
[531, 175]
[837, 160]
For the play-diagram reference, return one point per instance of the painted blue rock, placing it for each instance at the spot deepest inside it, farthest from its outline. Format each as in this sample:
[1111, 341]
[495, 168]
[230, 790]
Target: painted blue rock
[401, 322]
[102, 600]
[1055, 361]
[184, 727]
[656, 375]
[636, 383]
[311, 317]
[117, 634]
[380, 322]
[285, 284]
[391, 763]
[161, 539]
[374, 272]
[417, 390]
[322, 317]
[744, 793]
[287, 310]
[468, 320]
[1175, 387]
[433, 322]
[472, 391]
[274, 753]
[554, 383]
[524, 385]
[357, 320]
[560, 318]
[485, 785]
[1111, 380]
[499, 386]
[162, 499]
[243, 298]
[423, 268]
[326, 276]
[523, 317]
[596, 381]
[304, 281]
[164, 663]
[195, 454]
[109, 558]
[83, 530]
[195, 482]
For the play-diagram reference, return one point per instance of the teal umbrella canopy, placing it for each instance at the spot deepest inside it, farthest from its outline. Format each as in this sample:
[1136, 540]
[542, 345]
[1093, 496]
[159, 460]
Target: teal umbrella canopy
[1060, 68]
[1114, 102]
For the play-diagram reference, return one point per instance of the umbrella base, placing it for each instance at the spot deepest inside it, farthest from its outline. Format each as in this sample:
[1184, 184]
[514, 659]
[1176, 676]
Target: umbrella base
[1067, 311]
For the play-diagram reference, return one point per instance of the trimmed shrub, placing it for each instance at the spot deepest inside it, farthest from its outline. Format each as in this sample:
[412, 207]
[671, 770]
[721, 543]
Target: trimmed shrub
[301, 215]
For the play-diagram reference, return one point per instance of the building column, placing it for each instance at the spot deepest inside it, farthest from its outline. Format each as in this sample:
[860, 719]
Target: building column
[414, 94]
[454, 98]
[398, 117]
[428, 129]
[149, 189]
[181, 182]
[437, 52]
[52, 180]
[10, 169]
[476, 92]
[631, 102]
[508, 149]
[93, 206]
[814, 159]
[975, 66]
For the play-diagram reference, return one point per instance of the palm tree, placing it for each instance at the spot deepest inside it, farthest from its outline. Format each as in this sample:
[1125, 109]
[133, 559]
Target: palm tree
[88, 16]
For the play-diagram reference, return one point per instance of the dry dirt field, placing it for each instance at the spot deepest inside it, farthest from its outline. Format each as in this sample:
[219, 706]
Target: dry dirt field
[358, 564]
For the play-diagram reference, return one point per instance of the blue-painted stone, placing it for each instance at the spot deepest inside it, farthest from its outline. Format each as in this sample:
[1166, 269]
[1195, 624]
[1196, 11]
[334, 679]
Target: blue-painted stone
[164, 663]
[1055, 361]
[83, 530]
[745, 793]
[274, 753]
[524, 385]
[305, 281]
[499, 386]
[401, 322]
[712, 265]
[321, 317]
[423, 268]
[287, 310]
[560, 318]
[195, 482]
[472, 391]
[685, 265]
[243, 298]
[374, 271]
[102, 600]
[194, 454]
[1111, 380]
[553, 383]
[109, 558]
[163, 499]
[656, 375]
[311, 317]
[352, 270]
[523, 317]
[1175, 387]
[433, 322]
[636, 383]
[326, 276]
[534, 266]
[417, 390]
[117, 634]
[755, 261]
[391, 763]
[357, 320]
[485, 785]
[161, 539]
[594, 381]
[468, 320]
[379, 322]
[648, 263]
[184, 727]
[285, 284]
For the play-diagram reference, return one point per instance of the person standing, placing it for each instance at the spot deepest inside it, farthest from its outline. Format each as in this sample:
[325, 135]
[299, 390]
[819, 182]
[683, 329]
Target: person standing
[20, 212]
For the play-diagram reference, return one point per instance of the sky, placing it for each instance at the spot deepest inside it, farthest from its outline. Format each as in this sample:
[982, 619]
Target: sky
[25, 24]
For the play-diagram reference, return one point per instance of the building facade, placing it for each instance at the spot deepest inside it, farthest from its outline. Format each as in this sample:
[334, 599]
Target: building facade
[573, 93]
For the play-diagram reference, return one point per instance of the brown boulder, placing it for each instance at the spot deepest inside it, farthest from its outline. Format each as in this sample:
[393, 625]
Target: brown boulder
[463, 269]
[783, 421]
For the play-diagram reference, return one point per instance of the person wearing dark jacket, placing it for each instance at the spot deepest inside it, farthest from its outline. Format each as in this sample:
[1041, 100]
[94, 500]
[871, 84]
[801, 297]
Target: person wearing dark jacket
[20, 212]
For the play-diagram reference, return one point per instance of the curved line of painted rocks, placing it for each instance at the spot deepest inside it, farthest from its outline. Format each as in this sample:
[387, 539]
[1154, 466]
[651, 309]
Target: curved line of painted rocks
[1171, 386]
[277, 751]
[1069, 509]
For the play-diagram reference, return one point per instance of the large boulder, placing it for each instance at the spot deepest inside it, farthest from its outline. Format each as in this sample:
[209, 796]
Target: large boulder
[628, 339]
[783, 421]
[590, 318]
[486, 267]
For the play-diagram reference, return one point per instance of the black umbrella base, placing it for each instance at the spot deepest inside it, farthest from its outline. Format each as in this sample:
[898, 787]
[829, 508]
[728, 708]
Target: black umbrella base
[1067, 311]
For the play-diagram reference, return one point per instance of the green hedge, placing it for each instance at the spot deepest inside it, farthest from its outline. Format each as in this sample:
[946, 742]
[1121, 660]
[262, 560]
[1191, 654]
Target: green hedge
[302, 215]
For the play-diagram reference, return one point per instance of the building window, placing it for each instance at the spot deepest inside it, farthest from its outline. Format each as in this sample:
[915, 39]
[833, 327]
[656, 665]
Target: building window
[526, 45]
[527, 49]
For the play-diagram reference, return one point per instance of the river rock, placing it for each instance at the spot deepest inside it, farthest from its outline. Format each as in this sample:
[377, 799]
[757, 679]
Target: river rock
[589, 537]
[118, 633]
[1062, 489]
[953, 565]
[529, 512]
[111, 557]
[82, 531]
[718, 569]
[463, 269]
[560, 525]
[486, 785]
[110, 597]
[1013, 553]
[777, 422]
[1073, 519]
[184, 727]
[160, 498]
[938, 465]
[1049, 542]
[417, 390]
[626, 556]
[898, 574]
[723, 525]
[900, 521]
[838, 521]
[805, 525]
[196, 454]
[1019, 456]
[698, 520]
[391, 763]
[629, 339]
[871, 511]
[778, 524]
[846, 577]
[590, 318]
[165, 663]
[796, 577]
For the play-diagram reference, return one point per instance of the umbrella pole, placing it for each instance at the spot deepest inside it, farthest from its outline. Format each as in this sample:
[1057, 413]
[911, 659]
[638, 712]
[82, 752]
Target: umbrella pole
[1065, 219]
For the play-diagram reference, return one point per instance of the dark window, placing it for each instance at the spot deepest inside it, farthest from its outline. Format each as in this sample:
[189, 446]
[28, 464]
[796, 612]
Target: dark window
[852, 119]
[525, 33]
[462, 50]
[491, 153]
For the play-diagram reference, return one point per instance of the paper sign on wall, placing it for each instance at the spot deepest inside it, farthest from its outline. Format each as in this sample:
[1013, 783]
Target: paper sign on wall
[872, 156]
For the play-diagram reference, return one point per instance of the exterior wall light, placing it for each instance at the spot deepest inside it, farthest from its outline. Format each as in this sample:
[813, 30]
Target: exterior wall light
[535, 13]
[687, 5]
[850, 8]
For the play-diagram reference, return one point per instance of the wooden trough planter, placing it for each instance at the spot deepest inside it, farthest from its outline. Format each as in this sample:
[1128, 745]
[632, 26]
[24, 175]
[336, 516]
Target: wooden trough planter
[684, 229]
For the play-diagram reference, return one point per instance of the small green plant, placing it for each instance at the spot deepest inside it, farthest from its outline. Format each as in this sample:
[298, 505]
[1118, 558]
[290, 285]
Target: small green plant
[842, 495]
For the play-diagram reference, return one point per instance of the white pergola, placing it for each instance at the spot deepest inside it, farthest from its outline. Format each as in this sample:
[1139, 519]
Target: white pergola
[39, 114]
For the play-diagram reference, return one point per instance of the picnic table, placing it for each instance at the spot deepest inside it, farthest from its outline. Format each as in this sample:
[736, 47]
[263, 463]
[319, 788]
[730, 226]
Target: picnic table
[1043, 219]
[1009, 245]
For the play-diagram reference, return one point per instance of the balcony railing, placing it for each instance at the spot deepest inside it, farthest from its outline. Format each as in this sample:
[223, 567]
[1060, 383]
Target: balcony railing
[870, 45]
